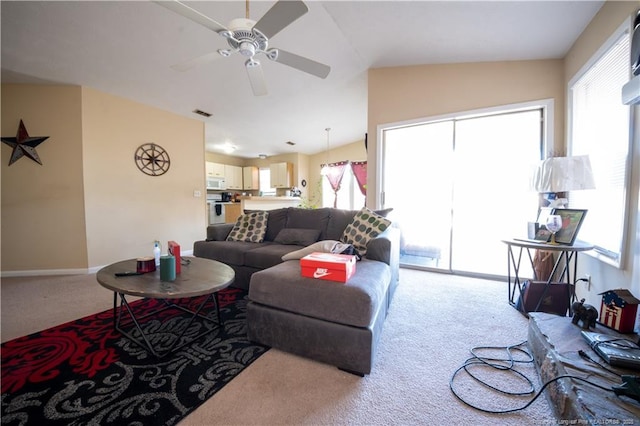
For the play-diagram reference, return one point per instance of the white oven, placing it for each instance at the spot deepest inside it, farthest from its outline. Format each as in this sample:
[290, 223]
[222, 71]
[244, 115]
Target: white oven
[215, 209]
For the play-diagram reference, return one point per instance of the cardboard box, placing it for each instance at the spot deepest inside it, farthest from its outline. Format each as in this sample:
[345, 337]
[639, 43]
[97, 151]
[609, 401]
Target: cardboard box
[618, 310]
[328, 266]
[174, 250]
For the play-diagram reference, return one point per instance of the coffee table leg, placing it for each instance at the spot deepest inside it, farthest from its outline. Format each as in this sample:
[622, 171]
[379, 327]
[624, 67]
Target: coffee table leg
[146, 344]
[115, 310]
[217, 302]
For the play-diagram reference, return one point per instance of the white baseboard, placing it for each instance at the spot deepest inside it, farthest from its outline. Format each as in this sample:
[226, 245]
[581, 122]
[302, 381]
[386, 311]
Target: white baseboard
[42, 272]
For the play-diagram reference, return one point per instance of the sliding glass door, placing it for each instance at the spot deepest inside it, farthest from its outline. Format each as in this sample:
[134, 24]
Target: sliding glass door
[418, 163]
[459, 186]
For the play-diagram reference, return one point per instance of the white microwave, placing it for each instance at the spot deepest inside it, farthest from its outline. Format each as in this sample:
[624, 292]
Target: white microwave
[216, 183]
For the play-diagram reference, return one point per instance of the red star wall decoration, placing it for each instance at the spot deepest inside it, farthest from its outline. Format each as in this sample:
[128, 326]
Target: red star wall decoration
[23, 144]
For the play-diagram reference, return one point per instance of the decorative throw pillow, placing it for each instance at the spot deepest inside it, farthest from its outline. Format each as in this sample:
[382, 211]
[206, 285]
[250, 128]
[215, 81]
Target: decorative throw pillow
[297, 236]
[365, 226]
[250, 227]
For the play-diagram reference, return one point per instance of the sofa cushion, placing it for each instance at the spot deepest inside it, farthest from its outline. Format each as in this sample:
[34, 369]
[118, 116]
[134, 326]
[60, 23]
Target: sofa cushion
[353, 303]
[309, 219]
[266, 255]
[297, 236]
[277, 221]
[365, 226]
[228, 252]
[250, 227]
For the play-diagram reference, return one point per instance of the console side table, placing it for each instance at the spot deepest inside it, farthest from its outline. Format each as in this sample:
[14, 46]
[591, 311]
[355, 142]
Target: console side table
[567, 257]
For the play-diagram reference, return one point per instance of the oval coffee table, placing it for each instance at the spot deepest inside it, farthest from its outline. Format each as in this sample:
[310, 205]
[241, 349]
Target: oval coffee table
[199, 277]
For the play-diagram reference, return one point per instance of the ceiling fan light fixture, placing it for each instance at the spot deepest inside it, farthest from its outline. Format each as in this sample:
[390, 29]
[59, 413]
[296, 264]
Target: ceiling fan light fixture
[252, 63]
[247, 49]
[250, 38]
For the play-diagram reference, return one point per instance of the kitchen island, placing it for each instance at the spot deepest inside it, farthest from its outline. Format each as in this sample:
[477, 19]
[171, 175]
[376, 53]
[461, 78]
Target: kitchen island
[268, 203]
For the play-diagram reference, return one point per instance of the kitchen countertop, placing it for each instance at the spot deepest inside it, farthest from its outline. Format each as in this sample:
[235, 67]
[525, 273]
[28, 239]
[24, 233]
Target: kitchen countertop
[268, 198]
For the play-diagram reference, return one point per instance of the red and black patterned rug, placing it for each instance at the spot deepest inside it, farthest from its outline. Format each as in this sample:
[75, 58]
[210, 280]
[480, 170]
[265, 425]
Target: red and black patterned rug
[84, 372]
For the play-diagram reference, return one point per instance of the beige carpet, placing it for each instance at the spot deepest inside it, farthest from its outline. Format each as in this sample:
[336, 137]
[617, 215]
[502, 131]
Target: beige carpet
[434, 321]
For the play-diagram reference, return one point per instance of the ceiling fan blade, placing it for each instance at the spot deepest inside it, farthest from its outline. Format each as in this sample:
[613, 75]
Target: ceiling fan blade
[301, 63]
[200, 60]
[192, 14]
[256, 77]
[283, 13]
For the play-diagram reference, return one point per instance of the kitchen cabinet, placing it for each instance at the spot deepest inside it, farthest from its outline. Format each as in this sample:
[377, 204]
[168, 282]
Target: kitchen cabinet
[215, 169]
[233, 176]
[232, 212]
[251, 178]
[281, 175]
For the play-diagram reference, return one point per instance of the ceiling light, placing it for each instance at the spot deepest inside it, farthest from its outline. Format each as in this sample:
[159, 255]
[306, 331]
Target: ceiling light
[262, 156]
[226, 147]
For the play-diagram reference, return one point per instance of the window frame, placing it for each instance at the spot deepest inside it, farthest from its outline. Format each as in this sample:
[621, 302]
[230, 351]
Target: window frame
[616, 259]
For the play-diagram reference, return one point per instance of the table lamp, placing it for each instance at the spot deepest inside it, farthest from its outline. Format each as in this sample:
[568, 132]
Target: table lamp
[562, 174]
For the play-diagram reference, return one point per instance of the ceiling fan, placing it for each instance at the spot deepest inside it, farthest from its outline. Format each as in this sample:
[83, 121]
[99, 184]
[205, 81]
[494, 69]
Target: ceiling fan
[250, 38]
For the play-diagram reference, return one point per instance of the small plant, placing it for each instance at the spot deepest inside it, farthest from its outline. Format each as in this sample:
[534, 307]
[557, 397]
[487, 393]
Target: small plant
[314, 199]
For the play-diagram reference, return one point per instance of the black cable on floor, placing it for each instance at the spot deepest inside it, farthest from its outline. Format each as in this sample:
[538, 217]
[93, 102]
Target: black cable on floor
[507, 364]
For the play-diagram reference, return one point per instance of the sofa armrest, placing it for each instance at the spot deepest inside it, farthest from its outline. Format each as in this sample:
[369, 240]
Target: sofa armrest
[386, 248]
[381, 248]
[219, 231]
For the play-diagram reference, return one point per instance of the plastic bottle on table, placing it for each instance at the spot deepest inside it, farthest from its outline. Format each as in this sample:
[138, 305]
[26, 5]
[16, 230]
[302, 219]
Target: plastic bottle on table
[156, 253]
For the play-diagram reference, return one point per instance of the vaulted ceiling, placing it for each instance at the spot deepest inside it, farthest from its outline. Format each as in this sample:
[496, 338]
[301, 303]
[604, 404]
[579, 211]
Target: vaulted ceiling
[127, 49]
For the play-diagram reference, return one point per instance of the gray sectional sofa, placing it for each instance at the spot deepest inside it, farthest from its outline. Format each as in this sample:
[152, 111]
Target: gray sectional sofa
[335, 323]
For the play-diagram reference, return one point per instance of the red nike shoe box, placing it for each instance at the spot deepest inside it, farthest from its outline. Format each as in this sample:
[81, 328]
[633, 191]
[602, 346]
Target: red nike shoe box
[328, 266]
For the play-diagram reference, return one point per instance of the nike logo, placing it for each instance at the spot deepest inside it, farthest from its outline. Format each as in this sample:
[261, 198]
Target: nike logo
[320, 272]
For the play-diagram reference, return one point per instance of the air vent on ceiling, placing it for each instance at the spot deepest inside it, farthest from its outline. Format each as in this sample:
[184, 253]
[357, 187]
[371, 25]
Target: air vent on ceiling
[202, 113]
[290, 143]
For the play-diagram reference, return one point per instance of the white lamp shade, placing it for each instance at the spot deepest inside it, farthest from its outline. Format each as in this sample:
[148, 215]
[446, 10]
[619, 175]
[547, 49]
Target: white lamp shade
[562, 174]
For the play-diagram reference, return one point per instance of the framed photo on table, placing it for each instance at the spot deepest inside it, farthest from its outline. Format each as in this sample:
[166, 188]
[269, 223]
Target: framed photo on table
[571, 222]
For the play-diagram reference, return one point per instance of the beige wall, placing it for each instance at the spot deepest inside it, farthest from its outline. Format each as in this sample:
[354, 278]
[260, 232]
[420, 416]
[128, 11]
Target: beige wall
[407, 93]
[89, 205]
[126, 209]
[604, 276]
[43, 225]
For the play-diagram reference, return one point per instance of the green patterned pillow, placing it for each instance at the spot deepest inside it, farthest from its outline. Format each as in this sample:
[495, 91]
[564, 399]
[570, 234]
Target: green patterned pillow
[365, 226]
[250, 227]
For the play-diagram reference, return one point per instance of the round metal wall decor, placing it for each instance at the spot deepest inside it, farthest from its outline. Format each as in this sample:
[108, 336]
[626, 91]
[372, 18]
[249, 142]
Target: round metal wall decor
[152, 159]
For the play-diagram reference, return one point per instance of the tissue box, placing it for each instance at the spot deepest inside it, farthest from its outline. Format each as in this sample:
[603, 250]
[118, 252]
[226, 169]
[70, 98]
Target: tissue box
[328, 266]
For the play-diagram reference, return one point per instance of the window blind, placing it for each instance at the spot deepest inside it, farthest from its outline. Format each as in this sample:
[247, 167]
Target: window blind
[600, 128]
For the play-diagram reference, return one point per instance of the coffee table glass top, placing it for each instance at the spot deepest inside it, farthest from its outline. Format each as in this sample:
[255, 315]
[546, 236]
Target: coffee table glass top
[199, 277]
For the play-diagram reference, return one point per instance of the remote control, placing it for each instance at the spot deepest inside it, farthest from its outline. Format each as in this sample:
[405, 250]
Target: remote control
[127, 274]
